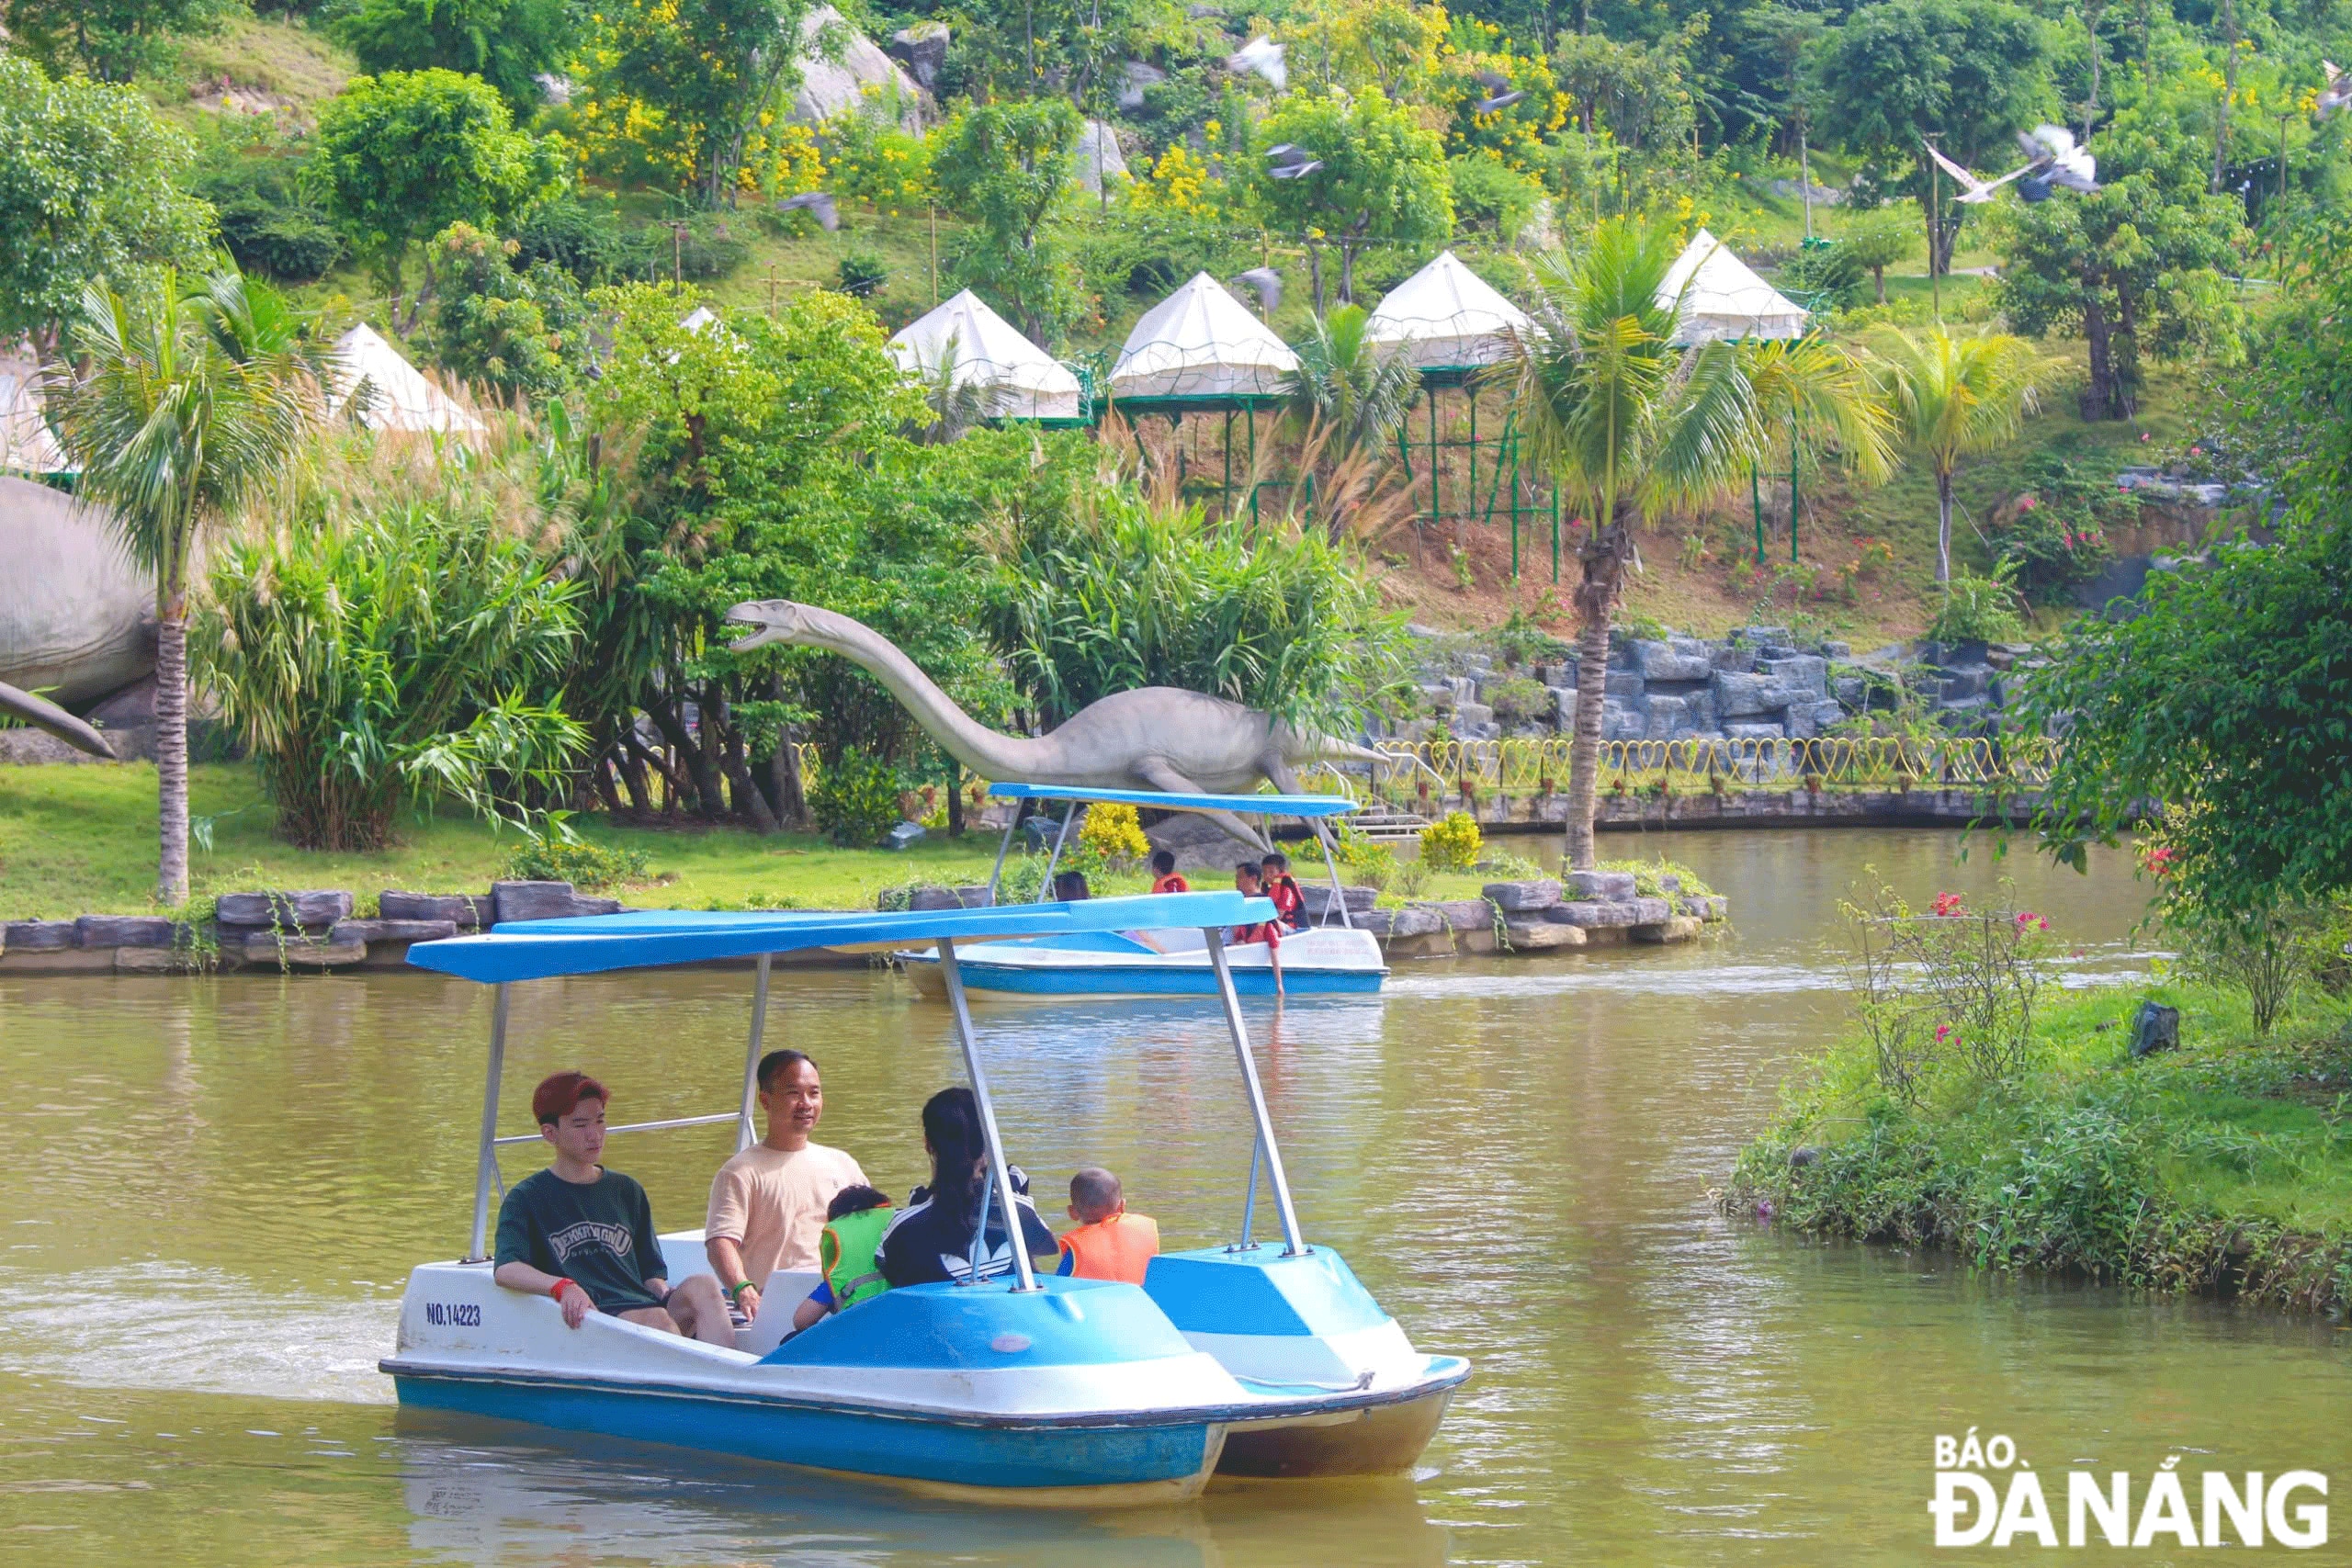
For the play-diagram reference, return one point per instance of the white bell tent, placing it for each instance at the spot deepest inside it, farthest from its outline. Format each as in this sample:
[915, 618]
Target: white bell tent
[27, 443]
[1446, 317]
[398, 396]
[1201, 345]
[1724, 298]
[981, 347]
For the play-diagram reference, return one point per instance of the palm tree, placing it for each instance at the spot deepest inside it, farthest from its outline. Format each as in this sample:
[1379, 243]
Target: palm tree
[1356, 391]
[1629, 422]
[195, 394]
[1953, 395]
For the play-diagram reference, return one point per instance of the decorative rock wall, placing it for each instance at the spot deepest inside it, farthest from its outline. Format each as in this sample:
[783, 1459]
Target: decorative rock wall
[1758, 684]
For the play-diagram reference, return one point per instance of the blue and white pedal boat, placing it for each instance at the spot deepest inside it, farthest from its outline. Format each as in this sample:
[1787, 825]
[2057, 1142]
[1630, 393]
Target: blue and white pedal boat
[1332, 957]
[1263, 1359]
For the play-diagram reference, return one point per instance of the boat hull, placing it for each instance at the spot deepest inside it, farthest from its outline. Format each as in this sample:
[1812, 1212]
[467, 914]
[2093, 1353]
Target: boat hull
[1091, 1466]
[1381, 1439]
[1327, 961]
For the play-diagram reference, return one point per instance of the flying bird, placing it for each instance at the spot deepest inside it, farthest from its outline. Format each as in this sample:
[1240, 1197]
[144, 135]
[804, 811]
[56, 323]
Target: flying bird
[1499, 101]
[1294, 170]
[1493, 81]
[2337, 94]
[1269, 284]
[1974, 190]
[817, 202]
[1262, 55]
[1288, 161]
[2057, 161]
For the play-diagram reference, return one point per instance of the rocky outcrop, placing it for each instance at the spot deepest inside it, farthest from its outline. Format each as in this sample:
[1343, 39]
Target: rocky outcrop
[843, 70]
[1758, 684]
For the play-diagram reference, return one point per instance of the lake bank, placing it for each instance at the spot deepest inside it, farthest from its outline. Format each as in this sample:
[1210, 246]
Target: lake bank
[2222, 1167]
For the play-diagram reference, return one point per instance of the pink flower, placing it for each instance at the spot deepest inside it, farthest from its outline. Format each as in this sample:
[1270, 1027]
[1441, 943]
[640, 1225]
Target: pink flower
[2144, 435]
[1947, 904]
[2027, 503]
[2197, 451]
[2027, 920]
[1943, 1033]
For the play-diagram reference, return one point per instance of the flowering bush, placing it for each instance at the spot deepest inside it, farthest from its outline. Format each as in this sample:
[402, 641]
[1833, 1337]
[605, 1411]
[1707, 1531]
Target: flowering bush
[1113, 833]
[1948, 996]
[1452, 844]
[2054, 534]
[875, 162]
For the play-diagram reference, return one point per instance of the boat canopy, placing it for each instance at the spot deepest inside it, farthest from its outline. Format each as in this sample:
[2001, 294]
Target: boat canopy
[1272, 805]
[591, 944]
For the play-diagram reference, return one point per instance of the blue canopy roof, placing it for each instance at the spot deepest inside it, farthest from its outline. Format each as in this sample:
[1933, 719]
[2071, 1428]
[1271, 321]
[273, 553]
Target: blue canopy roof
[1272, 805]
[536, 950]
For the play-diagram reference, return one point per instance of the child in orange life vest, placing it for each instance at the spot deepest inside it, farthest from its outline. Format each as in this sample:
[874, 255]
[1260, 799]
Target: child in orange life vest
[1164, 878]
[1109, 1243]
[1290, 900]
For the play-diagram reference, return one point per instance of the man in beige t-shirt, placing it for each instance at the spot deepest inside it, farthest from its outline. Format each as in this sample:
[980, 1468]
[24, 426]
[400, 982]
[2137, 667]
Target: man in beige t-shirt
[767, 1204]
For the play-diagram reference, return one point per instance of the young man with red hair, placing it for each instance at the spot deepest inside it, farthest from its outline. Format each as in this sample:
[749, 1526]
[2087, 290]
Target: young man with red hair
[584, 1235]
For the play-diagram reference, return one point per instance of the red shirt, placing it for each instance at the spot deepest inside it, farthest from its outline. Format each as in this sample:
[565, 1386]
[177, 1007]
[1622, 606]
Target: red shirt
[1268, 931]
[1171, 883]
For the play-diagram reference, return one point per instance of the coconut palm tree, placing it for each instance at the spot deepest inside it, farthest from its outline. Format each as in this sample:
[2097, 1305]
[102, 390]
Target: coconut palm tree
[1358, 392]
[196, 393]
[1629, 421]
[1953, 395]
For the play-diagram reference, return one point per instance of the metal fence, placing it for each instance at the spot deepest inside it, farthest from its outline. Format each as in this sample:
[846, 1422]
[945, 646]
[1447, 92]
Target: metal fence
[1538, 766]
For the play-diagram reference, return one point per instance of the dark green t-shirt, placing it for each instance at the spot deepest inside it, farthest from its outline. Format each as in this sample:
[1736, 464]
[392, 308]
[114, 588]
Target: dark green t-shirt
[599, 1235]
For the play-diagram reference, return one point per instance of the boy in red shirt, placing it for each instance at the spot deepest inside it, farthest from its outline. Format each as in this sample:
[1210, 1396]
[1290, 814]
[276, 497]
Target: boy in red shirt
[1164, 878]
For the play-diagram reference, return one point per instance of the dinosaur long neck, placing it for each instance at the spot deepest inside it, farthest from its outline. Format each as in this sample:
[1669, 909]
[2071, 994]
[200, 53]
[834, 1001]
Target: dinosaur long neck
[970, 742]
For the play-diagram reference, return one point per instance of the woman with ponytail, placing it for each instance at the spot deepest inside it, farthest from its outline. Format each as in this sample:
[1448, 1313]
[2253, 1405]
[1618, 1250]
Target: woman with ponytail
[931, 1239]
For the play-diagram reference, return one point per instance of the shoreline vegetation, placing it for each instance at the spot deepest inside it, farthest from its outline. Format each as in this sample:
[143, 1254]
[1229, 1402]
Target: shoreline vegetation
[2222, 1167]
[73, 842]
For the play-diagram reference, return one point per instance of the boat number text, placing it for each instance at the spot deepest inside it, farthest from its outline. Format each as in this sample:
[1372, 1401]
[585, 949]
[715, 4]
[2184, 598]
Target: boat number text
[453, 1315]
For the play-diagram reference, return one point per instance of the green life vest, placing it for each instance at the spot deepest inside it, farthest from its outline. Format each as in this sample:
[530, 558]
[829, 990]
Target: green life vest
[845, 1252]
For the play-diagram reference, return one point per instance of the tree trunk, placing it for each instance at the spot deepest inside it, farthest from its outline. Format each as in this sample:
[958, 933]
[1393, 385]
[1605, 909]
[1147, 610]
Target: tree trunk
[791, 802]
[748, 798]
[1347, 273]
[1603, 558]
[1943, 526]
[2099, 400]
[1315, 273]
[666, 718]
[1877, 278]
[954, 798]
[171, 753]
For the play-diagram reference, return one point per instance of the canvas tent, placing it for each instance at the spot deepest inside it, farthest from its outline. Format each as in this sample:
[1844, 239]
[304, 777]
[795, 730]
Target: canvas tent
[27, 443]
[981, 347]
[1201, 345]
[1726, 300]
[399, 397]
[1446, 317]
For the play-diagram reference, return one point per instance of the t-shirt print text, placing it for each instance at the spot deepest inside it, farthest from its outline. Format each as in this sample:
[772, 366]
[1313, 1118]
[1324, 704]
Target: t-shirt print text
[572, 1239]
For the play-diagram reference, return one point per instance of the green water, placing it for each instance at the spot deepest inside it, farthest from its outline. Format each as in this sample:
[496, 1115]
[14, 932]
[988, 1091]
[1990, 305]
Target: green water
[211, 1191]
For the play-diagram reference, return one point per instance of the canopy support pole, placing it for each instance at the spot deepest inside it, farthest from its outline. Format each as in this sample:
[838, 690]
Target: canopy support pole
[1291, 1246]
[1756, 501]
[752, 1056]
[1226, 499]
[996, 873]
[999, 1173]
[486, 1162]
[1792, 492]
[1337, 897]
[1249, 1203]
[1045, 887]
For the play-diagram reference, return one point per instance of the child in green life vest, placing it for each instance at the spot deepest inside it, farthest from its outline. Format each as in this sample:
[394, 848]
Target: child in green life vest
[854, 1222]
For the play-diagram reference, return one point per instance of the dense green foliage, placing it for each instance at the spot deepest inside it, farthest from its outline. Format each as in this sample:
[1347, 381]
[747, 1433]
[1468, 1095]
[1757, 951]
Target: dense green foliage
[89, 188]
[112, 41]
[366, 658]
[1124, 592]
[507, 44]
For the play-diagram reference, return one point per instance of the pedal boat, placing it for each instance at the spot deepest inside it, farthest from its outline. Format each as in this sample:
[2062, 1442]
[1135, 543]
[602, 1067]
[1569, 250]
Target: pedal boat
[1332, 957]
[1254, 1358]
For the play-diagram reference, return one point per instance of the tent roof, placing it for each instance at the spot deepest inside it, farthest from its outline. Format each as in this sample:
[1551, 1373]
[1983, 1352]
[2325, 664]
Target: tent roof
[404, 398]
[1201, 342]
[1446, 316]
[27, 446]
[1727, 299]
[985, 348]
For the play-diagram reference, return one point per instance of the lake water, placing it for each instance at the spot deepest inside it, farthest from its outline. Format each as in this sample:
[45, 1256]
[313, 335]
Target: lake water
[211, 1191]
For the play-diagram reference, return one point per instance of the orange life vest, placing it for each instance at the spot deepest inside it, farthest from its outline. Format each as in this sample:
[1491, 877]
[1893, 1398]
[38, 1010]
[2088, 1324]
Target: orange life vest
[1171, 883]
[1120, 1247]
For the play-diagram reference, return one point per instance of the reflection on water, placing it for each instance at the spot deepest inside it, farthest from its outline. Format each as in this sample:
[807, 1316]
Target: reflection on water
[211, 1191]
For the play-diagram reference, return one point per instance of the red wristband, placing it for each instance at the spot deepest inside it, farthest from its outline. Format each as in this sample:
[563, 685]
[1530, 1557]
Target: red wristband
[555, 1292]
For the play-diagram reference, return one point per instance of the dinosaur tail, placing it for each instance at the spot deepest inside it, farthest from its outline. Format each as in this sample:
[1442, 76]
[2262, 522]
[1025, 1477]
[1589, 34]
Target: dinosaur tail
[42, 713]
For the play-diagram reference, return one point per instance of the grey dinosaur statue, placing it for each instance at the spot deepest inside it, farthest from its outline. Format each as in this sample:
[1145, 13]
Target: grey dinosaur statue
[76, 615]
[1155, 737]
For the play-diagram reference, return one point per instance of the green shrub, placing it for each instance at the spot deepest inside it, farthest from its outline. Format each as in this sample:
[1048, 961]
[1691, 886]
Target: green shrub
[1366, 862]
[1521, 640]
[863, 272]
[1505, 866]
[584, 235]
[1979, 609]
[855, 800]
[1518, 700]
[1825, 278]
[550, 857]
[268, 222]
[1451, 844]
[1488, 194]
[1648, 877]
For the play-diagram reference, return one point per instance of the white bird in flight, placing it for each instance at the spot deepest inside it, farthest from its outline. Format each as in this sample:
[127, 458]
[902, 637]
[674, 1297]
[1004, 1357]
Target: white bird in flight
[1269, 284]
[2337, 94]
[2054, 161]
[1265, 56]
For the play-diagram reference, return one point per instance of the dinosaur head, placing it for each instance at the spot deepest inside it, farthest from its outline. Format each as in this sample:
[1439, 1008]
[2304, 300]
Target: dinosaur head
[772, 620]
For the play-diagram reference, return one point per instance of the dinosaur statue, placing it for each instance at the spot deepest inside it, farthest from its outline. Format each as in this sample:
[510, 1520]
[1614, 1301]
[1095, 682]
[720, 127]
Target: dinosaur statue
[76, 613]
[1157, 738]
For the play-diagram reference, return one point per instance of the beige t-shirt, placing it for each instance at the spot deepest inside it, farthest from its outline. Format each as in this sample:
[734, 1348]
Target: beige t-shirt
[772, 1204]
